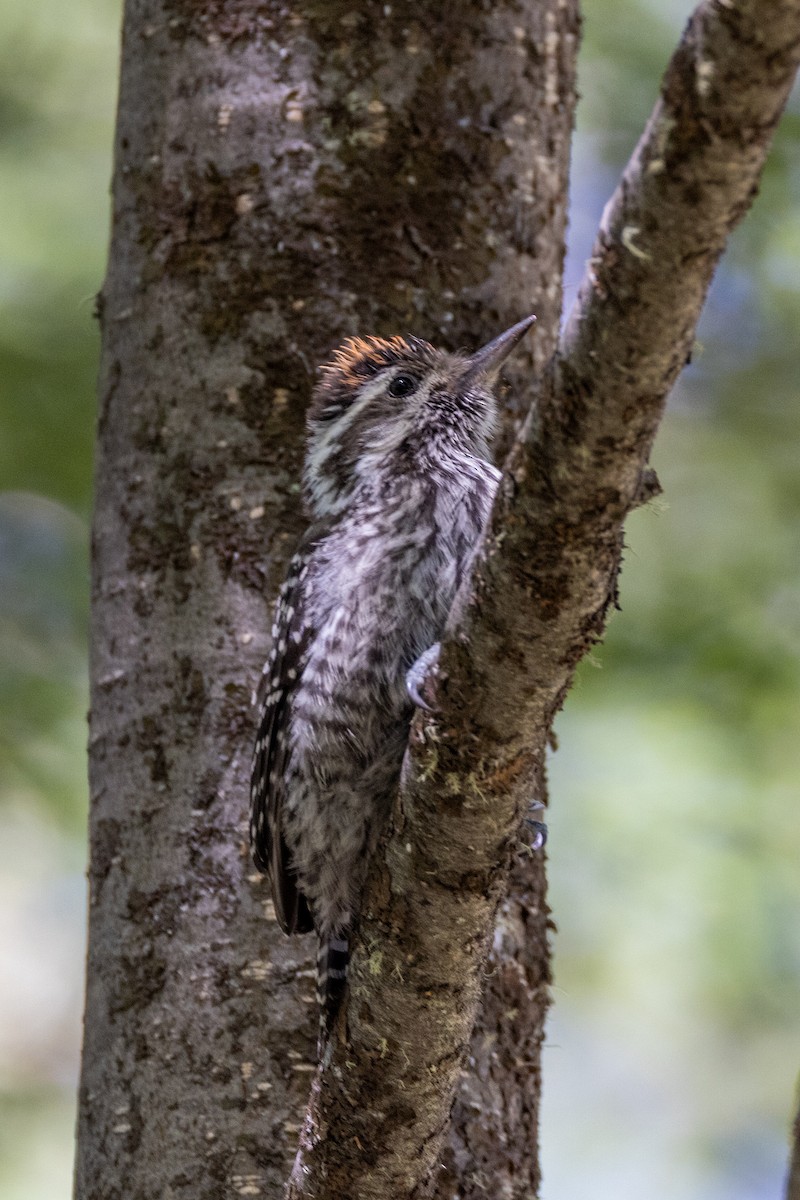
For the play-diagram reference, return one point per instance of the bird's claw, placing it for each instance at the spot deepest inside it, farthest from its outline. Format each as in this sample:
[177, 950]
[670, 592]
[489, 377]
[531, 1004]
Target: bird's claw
[538, 829]
[538, 835]
[418, 675]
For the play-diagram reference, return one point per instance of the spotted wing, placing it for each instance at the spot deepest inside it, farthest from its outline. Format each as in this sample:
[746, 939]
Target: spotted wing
[291, 638]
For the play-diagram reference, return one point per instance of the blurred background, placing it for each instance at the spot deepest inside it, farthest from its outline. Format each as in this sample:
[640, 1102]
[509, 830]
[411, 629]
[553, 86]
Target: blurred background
[674, 1042]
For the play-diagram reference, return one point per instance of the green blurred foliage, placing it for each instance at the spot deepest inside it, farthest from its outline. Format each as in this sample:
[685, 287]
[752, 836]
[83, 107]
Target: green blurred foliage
[58, 66]
[57, 86]
[674, 843]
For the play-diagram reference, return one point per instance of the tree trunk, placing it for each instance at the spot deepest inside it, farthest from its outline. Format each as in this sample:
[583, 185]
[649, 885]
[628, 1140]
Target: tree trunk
[282, 179]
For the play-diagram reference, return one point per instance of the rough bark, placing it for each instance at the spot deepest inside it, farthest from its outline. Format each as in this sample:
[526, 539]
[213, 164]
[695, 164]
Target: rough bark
[282, 178]
[541, 599]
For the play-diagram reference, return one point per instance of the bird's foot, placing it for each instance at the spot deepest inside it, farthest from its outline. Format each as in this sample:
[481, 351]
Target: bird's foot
[535, 830]
[419, 675]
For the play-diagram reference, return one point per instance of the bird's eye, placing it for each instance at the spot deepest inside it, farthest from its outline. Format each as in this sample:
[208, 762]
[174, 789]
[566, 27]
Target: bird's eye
[403, 385]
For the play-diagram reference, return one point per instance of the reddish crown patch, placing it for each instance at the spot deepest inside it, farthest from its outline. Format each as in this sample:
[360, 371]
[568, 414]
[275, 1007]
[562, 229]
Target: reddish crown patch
[357, 360]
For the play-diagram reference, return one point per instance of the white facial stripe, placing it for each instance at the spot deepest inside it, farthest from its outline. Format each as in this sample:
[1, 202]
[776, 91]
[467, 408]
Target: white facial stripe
[333, 432]
[326, 443]
[329, 496]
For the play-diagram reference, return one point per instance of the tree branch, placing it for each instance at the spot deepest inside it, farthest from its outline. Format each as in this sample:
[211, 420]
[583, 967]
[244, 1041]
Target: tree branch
[690, 180]
[540, 601]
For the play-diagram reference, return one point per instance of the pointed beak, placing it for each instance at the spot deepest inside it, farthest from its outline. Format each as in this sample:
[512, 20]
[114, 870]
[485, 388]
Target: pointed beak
[486, 362]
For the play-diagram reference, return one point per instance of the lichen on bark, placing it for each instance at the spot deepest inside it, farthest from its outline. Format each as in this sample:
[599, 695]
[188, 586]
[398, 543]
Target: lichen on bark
[284, 177]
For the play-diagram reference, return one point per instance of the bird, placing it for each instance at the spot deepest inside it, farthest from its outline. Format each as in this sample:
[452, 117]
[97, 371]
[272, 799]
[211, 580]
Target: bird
[399, 484]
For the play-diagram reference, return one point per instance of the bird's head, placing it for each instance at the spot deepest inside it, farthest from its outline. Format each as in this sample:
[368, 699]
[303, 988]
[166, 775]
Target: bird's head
[377, 397]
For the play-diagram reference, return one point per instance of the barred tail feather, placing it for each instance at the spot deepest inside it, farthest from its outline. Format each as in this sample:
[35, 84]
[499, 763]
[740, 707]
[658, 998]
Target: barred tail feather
[332, 960]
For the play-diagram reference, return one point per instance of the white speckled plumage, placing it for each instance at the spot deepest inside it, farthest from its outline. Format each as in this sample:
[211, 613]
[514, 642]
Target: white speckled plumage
[400, 488]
